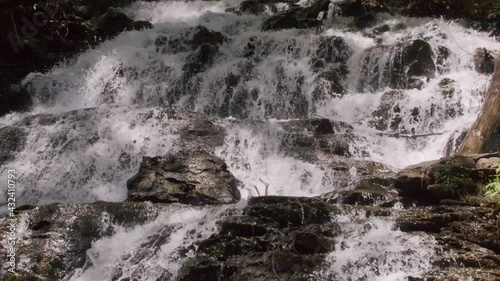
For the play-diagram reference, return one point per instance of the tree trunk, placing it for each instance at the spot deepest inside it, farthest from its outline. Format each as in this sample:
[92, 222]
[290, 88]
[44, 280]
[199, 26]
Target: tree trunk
[484, 135]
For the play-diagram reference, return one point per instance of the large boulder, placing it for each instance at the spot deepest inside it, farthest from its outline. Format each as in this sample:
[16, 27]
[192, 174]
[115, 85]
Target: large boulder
[196, 179]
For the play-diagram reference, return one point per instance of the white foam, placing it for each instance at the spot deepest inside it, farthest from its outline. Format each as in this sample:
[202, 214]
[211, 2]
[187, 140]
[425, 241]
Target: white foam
[373, 250]
[253, 157]
[128, 254]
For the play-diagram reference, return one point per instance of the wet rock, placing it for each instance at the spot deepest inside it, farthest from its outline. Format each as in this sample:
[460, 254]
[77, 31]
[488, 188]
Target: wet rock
[245, 226]
[488, 163]
[330, 61]
[299, 18]
[196, 179]
[369, 192]
[60, 234]
[289, 211]
[446, 88]
[420, 58]
[365, 21]
[359, 8]
[252, 7]
[114, 22]
[484, 11]
[266, 241]
[141, 24]
[331, 49]
[202, 35]
[442, 56]
[464, 236]
[203, 57]
[288, 21]
[267, 266]
[202, 133]
[387, 115]
[12, 140]
[315, 10]
[484, 62]
[381, 29]
[323, 126]
[451, 106]
[447, 178]
[205, 44]
[402, 66]
[312, 139]
[308, 243]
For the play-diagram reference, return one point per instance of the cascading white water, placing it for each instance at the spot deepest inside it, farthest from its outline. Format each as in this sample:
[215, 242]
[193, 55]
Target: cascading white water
[84, 156]
[133, 252]
[370, 249]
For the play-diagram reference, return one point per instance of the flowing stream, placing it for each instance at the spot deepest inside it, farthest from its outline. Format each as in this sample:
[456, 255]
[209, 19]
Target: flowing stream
[96, 116]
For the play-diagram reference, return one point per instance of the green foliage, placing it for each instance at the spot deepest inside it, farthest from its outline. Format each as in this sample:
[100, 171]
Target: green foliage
[452, 177]
[493, 188]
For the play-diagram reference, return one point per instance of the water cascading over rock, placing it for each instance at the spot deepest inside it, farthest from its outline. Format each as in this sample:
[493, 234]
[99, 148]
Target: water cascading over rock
[268, 137]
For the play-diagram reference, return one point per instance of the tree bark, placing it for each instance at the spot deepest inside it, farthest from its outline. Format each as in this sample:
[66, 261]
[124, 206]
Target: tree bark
[484, 135]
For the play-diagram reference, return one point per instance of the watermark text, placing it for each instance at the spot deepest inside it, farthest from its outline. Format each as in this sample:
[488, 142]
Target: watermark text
[11, 221]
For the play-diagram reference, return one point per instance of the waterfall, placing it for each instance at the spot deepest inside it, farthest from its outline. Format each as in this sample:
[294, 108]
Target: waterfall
[97, 115]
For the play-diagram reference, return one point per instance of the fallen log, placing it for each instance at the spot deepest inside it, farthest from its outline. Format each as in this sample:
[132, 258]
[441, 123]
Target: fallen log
[484, 135]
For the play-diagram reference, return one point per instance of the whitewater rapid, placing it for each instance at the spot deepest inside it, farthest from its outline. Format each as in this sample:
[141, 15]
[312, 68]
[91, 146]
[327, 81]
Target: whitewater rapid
[88, 156]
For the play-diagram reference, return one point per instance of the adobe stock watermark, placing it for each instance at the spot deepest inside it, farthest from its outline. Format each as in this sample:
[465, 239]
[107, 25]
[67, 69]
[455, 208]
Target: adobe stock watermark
[11, 221]
[30, 27]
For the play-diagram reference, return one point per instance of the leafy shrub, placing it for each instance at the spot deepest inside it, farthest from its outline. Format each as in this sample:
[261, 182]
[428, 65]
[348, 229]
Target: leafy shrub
[493, 188]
